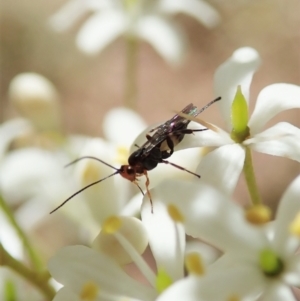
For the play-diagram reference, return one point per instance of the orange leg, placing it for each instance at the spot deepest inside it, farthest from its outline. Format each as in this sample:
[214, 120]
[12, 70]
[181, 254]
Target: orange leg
[147, 188]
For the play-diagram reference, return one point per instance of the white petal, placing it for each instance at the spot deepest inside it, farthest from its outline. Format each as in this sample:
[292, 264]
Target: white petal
[131, 230]
[133, 207]
[164, 36]
[222, 167]
[292, 270]
[232, 282]
[289, 207]
[186, 289]
[104, 199]
[282, 139]
[11, 129]
[186, 158]
[121, 126]
[67, 15]
[9, 238]
[65, 294]
[208, 253]
[76, 265]
[229, 283]
[100, 30]
[237, 70]
[28, 172]
[209, 215]
[272, 100]
[279, 292]
[166, 238]
[204, 138]
[200, 10]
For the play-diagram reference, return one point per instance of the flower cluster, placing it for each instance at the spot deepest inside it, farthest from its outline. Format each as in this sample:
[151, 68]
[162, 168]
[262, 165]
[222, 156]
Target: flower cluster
[134, 19]
[245, 256]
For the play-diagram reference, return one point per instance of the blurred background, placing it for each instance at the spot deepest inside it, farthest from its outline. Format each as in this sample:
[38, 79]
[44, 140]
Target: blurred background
[91, 85]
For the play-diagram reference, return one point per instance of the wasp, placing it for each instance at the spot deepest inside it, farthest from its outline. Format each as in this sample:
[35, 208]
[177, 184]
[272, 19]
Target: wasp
[155, 150]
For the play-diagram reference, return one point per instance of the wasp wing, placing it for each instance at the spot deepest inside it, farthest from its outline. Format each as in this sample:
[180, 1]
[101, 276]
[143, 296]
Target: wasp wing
[176, 123]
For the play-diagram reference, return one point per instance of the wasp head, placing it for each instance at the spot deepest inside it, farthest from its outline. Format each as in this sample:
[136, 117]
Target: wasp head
[128, 172]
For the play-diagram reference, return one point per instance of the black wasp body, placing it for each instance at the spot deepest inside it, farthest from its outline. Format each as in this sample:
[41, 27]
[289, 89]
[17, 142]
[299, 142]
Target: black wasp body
[155, 150]
[161, 145]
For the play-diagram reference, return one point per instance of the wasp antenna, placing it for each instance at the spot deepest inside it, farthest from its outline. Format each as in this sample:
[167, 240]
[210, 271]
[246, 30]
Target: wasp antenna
[209, 104]
[82, 189]
[90, 157]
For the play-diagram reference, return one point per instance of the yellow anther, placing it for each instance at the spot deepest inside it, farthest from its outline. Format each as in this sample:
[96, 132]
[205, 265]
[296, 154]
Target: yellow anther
[234, 298]
[194, 264]
[122, 155]
[175, 214]
[89, 291]
[163, 280]
[112, 225]
[258, 214]
[295, 225]
[91, 173]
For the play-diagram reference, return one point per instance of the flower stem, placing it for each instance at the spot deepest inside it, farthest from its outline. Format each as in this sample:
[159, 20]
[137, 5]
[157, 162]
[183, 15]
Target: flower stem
[130, 74]
[36, 262]
[250, 178]
[40, 280]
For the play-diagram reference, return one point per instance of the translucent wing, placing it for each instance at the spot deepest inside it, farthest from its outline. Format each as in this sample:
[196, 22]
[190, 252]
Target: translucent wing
[176, 123]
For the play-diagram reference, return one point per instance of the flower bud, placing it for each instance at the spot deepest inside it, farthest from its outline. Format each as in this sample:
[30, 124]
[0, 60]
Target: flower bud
[36, 99]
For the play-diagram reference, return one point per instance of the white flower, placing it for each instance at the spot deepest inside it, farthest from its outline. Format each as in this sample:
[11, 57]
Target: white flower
[142, 19]
[34, 179]
[78, 267]
[258, 261]
[282, 139]
[84, 272]
[110, 197]
[30, 173]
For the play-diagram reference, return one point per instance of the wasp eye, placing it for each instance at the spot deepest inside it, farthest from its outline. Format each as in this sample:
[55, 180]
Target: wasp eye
[130, 170]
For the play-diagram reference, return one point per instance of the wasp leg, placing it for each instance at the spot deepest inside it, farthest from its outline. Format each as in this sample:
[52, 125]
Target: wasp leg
[167, 154]
[147, 189]
[180, 167]
[188, 131]
[148, 137]
[137, 184]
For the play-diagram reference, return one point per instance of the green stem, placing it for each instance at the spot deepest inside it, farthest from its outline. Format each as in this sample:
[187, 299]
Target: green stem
[38, 279]
[130, 73]
[250, 178]
[36, 262]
